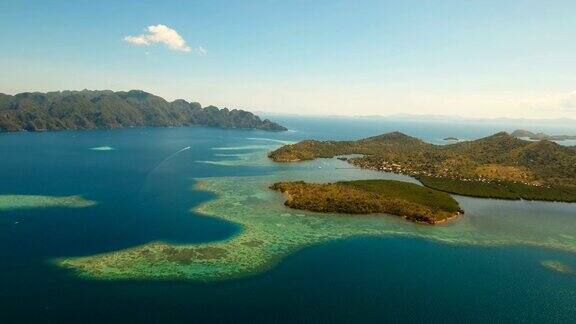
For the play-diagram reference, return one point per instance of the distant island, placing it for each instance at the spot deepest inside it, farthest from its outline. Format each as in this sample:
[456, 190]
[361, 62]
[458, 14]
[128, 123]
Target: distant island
[452, 139]
[90, 109]
[497, 166]
[520, 133]
[408, 200]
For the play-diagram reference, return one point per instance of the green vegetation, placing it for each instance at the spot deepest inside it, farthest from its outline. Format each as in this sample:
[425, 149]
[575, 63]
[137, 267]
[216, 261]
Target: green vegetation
[107, 109]
[391, 143]
[502, 165]
[500, 189]
[520, 133]
[408, 200]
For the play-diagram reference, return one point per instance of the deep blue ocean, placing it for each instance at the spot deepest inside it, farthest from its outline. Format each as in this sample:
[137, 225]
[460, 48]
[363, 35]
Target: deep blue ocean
[145, 193]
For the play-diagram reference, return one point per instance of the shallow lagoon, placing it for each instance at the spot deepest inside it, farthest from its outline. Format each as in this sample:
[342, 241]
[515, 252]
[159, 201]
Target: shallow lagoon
[271, 231]
[487, 263]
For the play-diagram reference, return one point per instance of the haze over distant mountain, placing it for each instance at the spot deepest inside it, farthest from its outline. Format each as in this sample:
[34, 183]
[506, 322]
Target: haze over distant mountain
[94, 109]
[520, 133]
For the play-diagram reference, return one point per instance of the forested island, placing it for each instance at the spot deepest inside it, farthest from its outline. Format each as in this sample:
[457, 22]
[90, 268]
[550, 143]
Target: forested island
[92, 109]
[520, 133]
[407, 200]
[497, 166]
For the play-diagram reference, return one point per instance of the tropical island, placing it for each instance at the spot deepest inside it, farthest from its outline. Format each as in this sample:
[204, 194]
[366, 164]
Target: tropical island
[93, 109]
[520, 133]
[498, 166]
[270, 232]
[407, 200]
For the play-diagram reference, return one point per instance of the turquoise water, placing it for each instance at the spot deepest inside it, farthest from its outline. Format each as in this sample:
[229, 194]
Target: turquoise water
[143, 189]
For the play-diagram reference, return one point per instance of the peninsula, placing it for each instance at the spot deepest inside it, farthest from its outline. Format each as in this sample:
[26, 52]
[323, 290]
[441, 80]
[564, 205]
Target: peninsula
[520, 133]
[407, 200]
[497, 166]
[88, 109]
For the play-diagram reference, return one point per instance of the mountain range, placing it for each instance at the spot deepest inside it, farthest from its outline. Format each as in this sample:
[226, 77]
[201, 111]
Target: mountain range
[104, 109]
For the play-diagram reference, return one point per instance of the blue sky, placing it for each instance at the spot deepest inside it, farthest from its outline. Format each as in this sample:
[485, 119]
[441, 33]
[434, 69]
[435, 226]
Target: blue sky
[469, 58]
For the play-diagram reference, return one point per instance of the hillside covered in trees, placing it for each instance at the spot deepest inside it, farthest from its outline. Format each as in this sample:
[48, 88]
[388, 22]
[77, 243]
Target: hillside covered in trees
[89, 109]
[497, 166]
[407, 200]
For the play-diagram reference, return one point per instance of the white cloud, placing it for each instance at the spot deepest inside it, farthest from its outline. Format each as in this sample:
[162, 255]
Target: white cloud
[137, 40]
[162, 34]
[200, 50]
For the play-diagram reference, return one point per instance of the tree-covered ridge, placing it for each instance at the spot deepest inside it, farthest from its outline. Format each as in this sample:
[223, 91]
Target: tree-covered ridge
[500, 158]
[410, 201]
[89, 109]
[391, 143]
